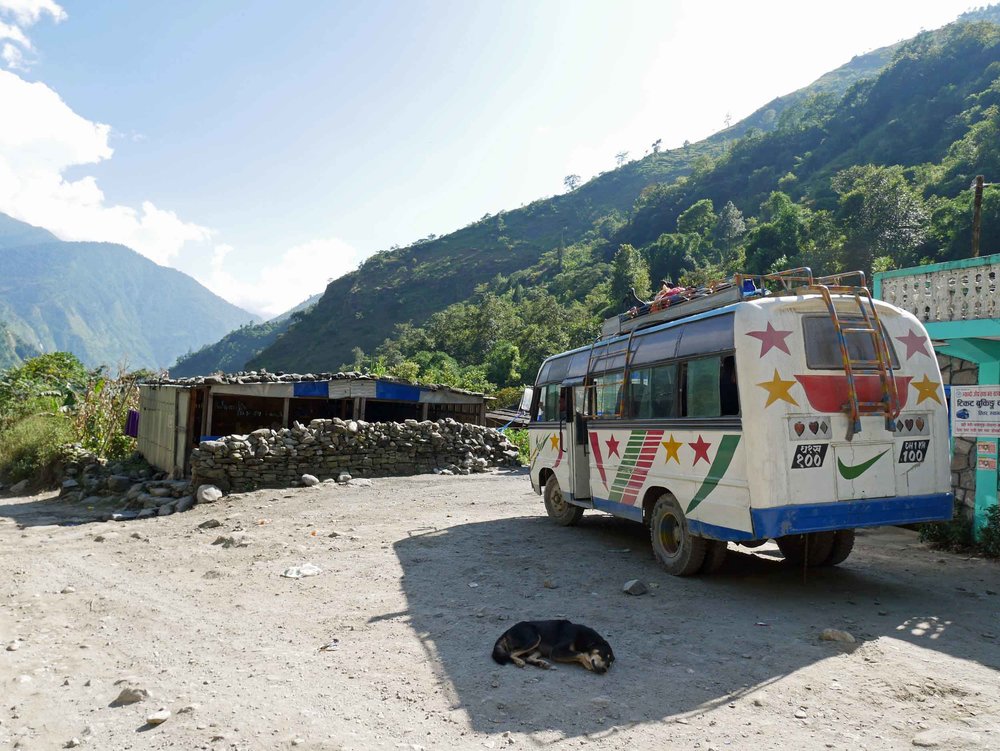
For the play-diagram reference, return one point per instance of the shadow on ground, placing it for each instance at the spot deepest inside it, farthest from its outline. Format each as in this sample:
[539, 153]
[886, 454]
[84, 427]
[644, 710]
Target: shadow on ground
[689, 645]
[47, 509]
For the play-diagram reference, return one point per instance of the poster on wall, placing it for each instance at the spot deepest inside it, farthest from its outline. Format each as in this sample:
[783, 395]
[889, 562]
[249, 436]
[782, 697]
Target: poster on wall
[975, 411]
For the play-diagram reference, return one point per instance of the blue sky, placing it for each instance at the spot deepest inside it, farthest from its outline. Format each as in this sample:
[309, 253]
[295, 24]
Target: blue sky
[265, 147]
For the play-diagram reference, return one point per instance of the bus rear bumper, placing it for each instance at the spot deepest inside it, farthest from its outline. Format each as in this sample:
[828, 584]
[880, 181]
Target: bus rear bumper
[778, 521]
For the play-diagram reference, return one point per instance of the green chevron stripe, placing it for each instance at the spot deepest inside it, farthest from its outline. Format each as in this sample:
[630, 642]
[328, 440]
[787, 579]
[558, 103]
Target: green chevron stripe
[723, 457]
[627, 466]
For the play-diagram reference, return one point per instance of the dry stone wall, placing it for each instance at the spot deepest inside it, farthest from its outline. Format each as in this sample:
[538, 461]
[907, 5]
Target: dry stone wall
[958, 372]
[331, 448]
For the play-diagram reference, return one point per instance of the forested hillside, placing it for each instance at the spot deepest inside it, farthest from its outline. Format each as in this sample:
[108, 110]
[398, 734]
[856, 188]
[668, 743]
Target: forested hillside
[410, 284]
[105, 303]
[873, 174]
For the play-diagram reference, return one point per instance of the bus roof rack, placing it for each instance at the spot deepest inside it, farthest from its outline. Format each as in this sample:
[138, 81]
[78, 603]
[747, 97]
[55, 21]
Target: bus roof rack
[737, 289]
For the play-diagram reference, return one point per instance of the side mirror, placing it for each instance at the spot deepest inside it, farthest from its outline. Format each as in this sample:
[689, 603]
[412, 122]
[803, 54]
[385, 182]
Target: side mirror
[526, 397]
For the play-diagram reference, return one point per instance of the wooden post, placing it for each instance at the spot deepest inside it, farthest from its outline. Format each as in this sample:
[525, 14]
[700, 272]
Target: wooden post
[210, 400]
[284, 416]
[977, 215]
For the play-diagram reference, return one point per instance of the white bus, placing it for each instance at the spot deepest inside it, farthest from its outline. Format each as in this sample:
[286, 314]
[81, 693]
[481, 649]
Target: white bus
[780, 407]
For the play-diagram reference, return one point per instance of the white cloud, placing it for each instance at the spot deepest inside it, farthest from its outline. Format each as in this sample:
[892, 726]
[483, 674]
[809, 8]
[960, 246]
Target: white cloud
[14, 34]
[44, 139]
[13, 57]
[300, 272]
[27, 12]
[23, 13]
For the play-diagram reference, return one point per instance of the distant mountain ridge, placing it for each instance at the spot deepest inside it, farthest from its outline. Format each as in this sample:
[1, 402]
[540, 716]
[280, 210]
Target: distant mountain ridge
[103, 302]
[231, 353]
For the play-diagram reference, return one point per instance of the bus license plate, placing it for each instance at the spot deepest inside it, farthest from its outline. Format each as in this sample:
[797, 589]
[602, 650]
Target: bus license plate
[809, 455]
[913, 452]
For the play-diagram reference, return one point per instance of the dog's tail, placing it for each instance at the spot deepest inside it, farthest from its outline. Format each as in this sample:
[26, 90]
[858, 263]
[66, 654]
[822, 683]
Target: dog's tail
[501, 651]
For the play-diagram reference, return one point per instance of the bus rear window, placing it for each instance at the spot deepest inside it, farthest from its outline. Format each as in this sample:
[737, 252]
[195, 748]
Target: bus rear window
[823, 348]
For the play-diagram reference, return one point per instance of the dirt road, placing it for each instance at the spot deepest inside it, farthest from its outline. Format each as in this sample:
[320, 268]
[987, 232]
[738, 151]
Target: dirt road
[419, 578]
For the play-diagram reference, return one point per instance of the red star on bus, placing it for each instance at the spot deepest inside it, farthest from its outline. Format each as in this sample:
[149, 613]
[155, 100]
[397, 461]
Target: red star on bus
[771, 338]
[613, 447]
[701, 447]
[914, 343]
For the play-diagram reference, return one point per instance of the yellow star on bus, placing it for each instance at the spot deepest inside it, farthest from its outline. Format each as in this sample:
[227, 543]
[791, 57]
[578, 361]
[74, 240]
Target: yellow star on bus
[555, 441]
[927, 389]
[672, 446]
[778, 389]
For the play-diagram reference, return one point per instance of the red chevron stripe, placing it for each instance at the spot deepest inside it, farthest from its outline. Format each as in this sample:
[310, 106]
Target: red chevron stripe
[643, 462]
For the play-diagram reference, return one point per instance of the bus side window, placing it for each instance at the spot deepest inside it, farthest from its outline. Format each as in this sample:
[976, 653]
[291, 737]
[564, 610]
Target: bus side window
[608, 394]
[729, 394]
[701, 391]
[548, 404]
[652, 392]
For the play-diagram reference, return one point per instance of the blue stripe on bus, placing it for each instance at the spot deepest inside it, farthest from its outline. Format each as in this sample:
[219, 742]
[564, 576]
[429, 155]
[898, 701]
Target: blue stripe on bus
[819, 517]
[808, 517]
[715, 532]
[623, 510]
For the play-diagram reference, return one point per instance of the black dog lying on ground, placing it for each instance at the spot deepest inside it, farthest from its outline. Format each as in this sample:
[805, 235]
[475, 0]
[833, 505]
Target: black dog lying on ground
[561, 641]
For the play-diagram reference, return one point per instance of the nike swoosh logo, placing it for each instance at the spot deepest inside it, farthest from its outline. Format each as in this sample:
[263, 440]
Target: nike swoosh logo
[849, 472]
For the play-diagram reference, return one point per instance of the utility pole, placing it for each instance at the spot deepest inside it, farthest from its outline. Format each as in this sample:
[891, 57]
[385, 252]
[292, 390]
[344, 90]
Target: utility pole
[977, 215]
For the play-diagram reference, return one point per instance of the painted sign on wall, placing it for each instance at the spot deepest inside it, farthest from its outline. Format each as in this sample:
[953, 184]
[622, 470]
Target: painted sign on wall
[975, 411]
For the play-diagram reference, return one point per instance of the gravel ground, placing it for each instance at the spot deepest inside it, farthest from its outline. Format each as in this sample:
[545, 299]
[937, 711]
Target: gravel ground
[419, 576]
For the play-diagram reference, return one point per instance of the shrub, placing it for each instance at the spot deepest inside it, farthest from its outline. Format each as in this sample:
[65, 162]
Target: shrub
[31, 448]
[951, 535]
[508, 397]
[989, 536]
[519, 438]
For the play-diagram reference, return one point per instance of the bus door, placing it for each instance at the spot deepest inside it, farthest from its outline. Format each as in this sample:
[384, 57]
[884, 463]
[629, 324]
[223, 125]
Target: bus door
[573, 396]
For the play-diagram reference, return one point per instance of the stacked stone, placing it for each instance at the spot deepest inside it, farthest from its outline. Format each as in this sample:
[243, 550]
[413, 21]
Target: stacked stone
[958, 372]
[122, 490]
[329, 448]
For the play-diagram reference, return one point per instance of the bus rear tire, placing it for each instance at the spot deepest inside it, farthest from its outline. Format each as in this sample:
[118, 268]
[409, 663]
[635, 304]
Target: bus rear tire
[843, 544]
[559, 510]
[793, 548]
[677, 550]
[715, 556]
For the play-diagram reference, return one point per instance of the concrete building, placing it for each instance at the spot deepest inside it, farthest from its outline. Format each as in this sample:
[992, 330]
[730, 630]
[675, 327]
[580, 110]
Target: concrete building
[176, 415]
[958, 303]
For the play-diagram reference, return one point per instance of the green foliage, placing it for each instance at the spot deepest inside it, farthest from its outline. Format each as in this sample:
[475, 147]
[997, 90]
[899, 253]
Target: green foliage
[101, 411]
[519, 437]
[51, 400]
[42, 385]
[31, 448]
[989, 535]
[950, 535]
[629, 274]
[508, 397]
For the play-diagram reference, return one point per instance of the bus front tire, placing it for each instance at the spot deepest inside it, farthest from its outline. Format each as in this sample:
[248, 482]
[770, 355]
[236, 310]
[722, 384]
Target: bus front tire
[559, 510]
[793, 548]
[677, 550]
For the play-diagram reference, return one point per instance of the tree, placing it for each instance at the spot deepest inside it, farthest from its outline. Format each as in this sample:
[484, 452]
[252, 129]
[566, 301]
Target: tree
[503, 364]
[572, 182]
[730, 227]
[621, 157]
[656, 145]
[628, 272]
[699, 219]
[779, 236]
[882, 214]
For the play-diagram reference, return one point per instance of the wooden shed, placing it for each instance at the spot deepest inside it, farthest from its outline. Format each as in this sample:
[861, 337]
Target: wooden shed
[176, 415]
